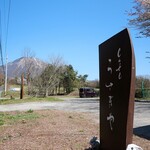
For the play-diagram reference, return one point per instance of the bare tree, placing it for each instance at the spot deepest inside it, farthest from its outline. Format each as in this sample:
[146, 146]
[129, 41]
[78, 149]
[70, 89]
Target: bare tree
[140, 17]
[29, 67]
[50, 79]
[27, 52]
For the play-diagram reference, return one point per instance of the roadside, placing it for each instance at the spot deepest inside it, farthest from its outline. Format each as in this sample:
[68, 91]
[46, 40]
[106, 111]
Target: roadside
[87, 105]
[48, 130]
[51, 130]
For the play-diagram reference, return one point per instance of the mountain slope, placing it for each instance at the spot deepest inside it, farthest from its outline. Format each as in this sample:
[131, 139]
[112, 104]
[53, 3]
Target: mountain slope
[31, 65]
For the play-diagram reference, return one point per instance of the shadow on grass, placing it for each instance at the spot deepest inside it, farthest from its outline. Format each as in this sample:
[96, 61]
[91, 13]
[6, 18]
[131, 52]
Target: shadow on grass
[143, 132]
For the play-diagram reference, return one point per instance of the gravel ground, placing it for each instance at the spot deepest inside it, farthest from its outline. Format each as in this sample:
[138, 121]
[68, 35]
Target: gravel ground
[54, 130]
[90, 105]
[64, 125]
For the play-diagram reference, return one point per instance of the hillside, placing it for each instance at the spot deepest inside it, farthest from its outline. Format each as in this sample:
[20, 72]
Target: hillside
[32, 65]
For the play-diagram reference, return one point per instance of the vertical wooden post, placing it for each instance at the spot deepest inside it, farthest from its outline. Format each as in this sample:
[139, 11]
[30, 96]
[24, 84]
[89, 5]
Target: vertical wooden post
[22, 87]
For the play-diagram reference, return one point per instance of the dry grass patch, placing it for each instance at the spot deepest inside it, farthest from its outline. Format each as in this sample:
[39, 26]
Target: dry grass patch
[53, 130]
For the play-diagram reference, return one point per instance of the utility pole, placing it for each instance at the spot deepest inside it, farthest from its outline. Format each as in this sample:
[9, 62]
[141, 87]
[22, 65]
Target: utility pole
[22, 86]
[6, 76]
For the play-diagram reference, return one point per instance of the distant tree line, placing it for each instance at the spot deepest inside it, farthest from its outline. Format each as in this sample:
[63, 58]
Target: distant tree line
[56, 78]
[142, 87]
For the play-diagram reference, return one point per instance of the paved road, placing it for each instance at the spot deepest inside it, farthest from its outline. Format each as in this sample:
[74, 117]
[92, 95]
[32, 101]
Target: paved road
[142, 119]
[69, 104]
[142, 114]
[90, 105]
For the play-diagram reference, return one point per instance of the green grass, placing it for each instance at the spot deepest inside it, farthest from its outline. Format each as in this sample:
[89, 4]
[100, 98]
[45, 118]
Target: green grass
[11, 118]
[29, 99]
[144, 99]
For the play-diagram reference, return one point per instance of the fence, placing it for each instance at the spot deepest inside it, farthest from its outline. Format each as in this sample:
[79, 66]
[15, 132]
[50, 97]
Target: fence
[142, 93]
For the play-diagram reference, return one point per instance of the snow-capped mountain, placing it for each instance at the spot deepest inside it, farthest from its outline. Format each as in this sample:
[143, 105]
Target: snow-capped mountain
[26, 65]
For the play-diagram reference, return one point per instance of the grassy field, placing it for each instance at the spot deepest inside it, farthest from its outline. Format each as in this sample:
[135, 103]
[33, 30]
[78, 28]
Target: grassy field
[11, 118]
[28, 99]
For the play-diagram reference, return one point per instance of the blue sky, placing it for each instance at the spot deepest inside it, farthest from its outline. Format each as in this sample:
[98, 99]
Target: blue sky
[72, 29]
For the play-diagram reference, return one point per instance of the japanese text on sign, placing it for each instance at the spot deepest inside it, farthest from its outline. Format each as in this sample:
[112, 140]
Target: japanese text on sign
[111, 118]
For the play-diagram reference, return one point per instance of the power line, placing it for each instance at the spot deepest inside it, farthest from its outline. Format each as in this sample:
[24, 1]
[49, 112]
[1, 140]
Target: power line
[7, 26]
[1, 52]
[0, 26]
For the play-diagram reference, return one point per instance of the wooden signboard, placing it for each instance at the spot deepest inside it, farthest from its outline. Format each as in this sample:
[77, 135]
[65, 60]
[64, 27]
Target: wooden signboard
[117, 81]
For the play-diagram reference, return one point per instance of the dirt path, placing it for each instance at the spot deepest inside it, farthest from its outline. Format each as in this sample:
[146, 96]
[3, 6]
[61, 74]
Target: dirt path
[67, 125]
[89, 105]
[53, 130]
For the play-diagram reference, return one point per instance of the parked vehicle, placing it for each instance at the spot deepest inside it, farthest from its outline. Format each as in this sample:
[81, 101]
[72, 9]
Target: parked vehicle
[87, 92]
